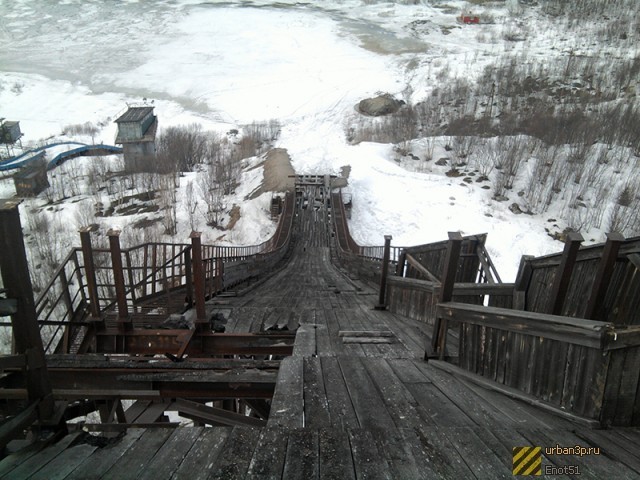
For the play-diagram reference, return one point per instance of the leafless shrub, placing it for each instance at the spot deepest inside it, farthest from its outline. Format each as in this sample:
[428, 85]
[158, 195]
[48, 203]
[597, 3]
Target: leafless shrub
[181, 148]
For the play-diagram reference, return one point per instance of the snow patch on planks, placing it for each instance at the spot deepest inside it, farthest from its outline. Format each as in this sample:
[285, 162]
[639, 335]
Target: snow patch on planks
[367, 336]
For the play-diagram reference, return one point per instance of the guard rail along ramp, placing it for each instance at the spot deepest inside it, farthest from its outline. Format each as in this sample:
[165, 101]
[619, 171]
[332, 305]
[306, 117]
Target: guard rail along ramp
[565, 336]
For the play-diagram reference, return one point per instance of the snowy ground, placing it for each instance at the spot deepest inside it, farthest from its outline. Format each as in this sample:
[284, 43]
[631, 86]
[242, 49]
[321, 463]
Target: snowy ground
[306, 64]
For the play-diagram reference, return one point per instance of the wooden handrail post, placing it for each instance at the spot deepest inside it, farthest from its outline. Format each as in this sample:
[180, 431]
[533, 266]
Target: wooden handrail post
[401, 263]
[522, 283]
[382, 296]
[14, 269]
[90, 271]
[439, 336]
[563, 273]
[188, 276]
[198, 275]
[603, 275]
[118, 273]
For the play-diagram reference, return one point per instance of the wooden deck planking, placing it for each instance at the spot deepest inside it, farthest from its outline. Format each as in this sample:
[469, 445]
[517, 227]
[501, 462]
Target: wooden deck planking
[368, 461]
[203, 454]
[267, 462]
[104, 458]
[341, 410]
[369, 406]
[65, 463]
[35, 462]
[133, 461]
[236, 454]
[346, 410]
[171, 454]
[316, 405]
[303, 455]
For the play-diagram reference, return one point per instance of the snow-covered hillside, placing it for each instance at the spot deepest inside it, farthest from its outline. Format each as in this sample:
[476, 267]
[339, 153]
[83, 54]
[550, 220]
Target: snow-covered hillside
[306, 64]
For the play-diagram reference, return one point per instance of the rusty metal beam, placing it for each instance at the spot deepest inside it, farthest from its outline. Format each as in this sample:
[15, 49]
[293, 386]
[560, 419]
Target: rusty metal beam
[198, 275]
[160, 342]
[14, 269]
[118, 274]
[215, 416]
[90, 271]
[382, 296]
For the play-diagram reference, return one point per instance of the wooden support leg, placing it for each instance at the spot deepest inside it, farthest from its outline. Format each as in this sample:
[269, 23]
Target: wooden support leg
[439, 337]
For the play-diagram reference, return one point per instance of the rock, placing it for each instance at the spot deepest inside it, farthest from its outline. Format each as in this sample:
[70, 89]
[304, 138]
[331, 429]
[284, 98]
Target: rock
[515, 208]
[442, 162]
[380, 105]
[500, 198]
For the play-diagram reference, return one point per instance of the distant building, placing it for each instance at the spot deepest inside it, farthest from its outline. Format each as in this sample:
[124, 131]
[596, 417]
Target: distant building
[9, 131]
[468, 18]
[137, 129]
[10, 134]
[30, 181]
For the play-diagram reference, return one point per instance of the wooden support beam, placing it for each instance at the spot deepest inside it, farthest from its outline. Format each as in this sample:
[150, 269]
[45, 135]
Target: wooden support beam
[439, 337]
[11, 428]
[198, 275]
[402, 260]
[382, 296]
[15, 277]
[485, 265]
[90, 271]
[522, 283]
[603, 276]
[216, 416]
[118, 274]
[563, 273]
[188, 272]
[421, 268]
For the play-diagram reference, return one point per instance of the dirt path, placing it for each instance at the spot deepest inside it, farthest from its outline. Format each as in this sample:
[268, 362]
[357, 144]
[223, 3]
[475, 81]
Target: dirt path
[277, 168]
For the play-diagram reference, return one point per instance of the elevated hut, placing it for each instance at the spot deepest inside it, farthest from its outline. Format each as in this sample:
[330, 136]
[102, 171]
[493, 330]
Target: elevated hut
[137, 129]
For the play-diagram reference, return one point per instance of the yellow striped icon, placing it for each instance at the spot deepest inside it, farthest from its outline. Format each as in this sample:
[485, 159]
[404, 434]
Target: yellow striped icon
[527, 460]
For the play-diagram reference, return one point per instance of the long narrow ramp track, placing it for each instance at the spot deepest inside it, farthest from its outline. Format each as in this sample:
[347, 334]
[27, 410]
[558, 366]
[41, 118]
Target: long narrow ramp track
[355, 400]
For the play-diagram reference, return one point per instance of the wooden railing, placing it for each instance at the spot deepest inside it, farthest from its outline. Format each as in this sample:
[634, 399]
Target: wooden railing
[85, 285]
[584, 367]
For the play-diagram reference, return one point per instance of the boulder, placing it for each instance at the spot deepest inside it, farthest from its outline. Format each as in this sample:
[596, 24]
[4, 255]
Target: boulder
[379, 106]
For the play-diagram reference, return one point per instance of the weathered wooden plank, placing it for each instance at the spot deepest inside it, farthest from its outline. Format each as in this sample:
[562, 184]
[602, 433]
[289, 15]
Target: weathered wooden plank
[571, 330]
[369, 407]
[64, 463]
[34, 463]
[135, 410]
[398, 454]
[152, 413]
[591, 466]
[436, 406]
[367, 459]
[132, 462]
[287, 404]
[202, 455]
[434, 452]
[11, 461]
[628, 395]
[269, 457]
[471, 447]
[171, 454]
[612, 445]
[235, 456]
[305, 343]
[406, 371]
[302, 457]
[513, 393]
[335, 456]
[103, 459]
[341, 409]
[316, 406]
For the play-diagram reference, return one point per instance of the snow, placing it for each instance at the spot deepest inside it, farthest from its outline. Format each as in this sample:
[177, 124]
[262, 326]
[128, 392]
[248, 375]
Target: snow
[222, 64]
